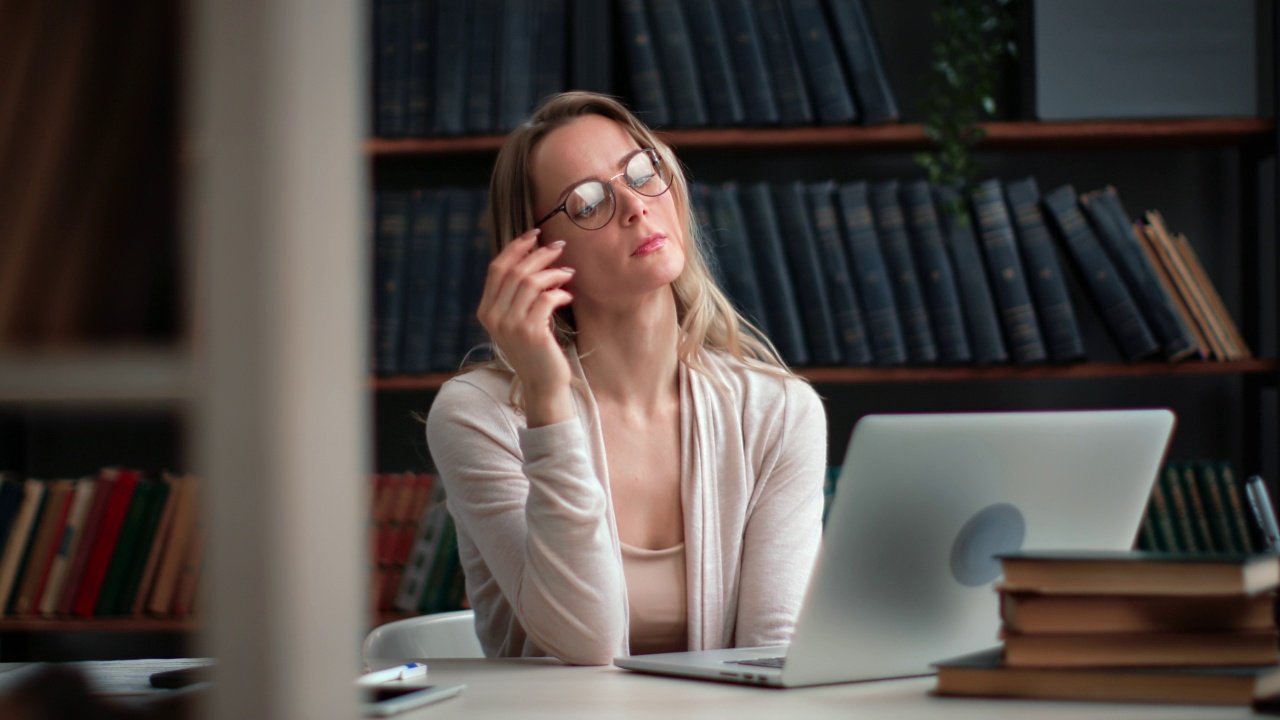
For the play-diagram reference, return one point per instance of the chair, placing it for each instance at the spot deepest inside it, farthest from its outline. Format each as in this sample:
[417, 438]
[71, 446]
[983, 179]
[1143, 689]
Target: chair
[441, 635]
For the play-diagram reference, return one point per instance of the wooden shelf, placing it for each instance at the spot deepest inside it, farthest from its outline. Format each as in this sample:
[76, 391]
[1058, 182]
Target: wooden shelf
[103, 624]
[126, 376]
[1000, 135]
[854, 375]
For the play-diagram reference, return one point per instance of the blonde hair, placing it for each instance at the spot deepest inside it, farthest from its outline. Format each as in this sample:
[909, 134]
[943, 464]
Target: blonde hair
[707, 319]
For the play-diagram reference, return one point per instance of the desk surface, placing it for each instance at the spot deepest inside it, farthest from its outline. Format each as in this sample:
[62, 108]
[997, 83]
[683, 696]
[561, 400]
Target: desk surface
[534, 688]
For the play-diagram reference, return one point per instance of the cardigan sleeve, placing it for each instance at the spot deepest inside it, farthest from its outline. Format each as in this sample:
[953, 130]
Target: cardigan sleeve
[784, 524]
[531, 502]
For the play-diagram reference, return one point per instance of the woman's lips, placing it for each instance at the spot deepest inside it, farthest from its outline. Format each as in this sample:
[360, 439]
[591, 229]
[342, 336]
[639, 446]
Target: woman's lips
[651, 244]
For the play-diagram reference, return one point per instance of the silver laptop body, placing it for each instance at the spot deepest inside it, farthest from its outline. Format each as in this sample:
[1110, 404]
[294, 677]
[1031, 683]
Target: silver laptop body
[905, 572]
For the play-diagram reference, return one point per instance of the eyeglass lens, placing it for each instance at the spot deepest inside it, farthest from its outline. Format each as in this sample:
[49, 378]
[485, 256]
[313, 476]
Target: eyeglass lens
[591, 204]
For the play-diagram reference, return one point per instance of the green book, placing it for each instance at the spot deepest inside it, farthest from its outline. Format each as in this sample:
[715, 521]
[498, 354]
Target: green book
[138, 564]
[130, 533]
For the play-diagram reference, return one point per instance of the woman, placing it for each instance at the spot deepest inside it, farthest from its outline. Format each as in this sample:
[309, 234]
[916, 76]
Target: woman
[636, 472]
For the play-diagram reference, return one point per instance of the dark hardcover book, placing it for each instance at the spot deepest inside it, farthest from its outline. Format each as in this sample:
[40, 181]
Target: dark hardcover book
[452, 23]
[870, 276]
[476, 348]
[515, 64]
[1161, 511]
[1116, 232]
[679, 71]
[482, 63]
[850, 330]
[1109, 293]
[1231, 496]
[1198, 509]
[806, 269]
[711, 49]
[551, 23]
[591, 63]
[459, 233]
[123, 604]
[981, 320]
[860, 49]
[794, 107]
[126, 547]
[1044, 274]
[781, 304]
[1217, 513]
[421, 69]
[759, 102]
[1179, 508]
[734, 253]
[936, 276]
[913, 314]
[648, 98]
[422, 268]
[1013, 297]
[390, 243]
[10, 499]
[391, 18]
[826, 80]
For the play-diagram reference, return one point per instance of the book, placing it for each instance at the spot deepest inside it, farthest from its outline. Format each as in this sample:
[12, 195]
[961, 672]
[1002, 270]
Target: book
[860, 50]
[845, 313]
[832, 102]
[711, 49]
[175, 552]
[648, 98]
[981, 322]
[1008, 277]
[674, 48]
[1216, 515]
[591, 56]
[937, 279]
[805, 264]
[759, 102]
[913, 314]
[419, 66]
[783, 66]
[391, 20]
[40, 552]
[162, 537]
[123, 601]
[389, 274]
[1116, 234]
[132, 529]
[870, 276]
[1147, 236]
[11, 492]
[734, 255]
[515, 64]
[422, 270]
[1220, 317]
[482, 62]
[452, 29]
[1162, 519]
[476, 340]
[1045, 613]
[1181, 509]
[1197, 509]
[104, 483]
[1137, 573]
[59, 569]
[184, 594]
[1106, 288]
[1054, 310]
[549, 49]
[781, 302]
[450, 316]
[982, 674]
[1236, 513]
[426, 539]
[1160, 649]
[20, 534]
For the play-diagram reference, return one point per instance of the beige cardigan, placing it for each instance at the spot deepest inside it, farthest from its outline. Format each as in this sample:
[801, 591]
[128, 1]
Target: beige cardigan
[536, 527]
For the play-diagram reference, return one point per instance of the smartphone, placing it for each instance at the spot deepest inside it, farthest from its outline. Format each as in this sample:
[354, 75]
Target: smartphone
[381, 700]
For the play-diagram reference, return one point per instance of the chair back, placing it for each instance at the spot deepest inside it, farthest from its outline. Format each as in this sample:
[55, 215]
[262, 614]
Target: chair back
[441, 635]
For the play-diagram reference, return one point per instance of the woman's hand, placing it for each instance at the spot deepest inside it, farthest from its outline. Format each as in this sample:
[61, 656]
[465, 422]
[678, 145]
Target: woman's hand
[521, 293]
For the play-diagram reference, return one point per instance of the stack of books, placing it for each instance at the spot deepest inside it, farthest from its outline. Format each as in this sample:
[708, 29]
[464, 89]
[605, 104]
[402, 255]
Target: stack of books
[1129, 626]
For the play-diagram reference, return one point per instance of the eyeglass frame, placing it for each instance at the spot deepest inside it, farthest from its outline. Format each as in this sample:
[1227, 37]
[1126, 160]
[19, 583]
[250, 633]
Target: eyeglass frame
[608, 185]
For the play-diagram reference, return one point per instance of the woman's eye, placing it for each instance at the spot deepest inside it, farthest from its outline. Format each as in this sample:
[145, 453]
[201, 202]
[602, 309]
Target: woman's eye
[587, 211]
[641, 181]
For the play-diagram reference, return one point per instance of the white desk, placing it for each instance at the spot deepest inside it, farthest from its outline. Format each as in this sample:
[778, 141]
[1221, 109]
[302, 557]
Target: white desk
[506, 689]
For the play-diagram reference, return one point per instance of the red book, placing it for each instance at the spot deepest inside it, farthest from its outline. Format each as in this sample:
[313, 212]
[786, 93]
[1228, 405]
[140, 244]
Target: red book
[108, 534]
[88, 538]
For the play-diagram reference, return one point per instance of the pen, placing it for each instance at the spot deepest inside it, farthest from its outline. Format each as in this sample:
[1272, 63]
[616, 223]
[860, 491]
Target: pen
[399, 672]
[1260, 501]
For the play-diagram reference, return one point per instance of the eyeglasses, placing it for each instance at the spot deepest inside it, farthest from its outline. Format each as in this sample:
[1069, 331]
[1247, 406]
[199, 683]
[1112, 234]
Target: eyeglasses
[591, 203]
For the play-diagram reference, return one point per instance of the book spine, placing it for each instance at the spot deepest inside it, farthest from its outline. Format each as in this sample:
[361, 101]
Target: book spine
[130, 533]
[936, 276]
[647, 94]
[450, 86]
[420, 67]
[1017, 313]
[1163, 517]
[1197, 509]
[19, 541]
[391, 89]
[870, 277]
[827, 84]
[389, 269]
[734, 254]
[478, 257]
[711, 49]
[515, 84]
[142, 552]
[113, 518]
[482, 62]
[846, 314]
[426, 238]
[85, 546]
[759, 102]
[1205, 476]
[981, 318]
[591, 46]
[549, 49]
[1044, 273]
[811, 288]
[794, 107]
[1180, 509]
[861, 51]
[781, 305]
[1110, 295]
[1231, 494]
[1116, 233]
[908, 297]
[1148, 236]
[449, 322]
[675, 55]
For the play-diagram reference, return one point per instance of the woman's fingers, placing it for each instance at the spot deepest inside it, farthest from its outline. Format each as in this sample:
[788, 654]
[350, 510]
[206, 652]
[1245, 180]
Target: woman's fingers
[509, 269]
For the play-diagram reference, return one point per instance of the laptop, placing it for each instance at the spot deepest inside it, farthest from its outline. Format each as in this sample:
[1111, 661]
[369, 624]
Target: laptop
[905, 573]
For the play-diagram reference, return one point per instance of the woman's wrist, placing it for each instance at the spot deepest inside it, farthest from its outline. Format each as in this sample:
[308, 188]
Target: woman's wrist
[547, 406]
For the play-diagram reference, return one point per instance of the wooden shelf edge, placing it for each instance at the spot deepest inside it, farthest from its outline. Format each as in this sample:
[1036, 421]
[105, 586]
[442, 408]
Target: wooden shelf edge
[103, 624]
[1012, 134]
[124, 376]
[856, 375]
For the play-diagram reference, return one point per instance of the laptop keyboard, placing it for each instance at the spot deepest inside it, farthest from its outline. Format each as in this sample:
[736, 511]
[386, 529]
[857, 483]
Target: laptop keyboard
[770, 662]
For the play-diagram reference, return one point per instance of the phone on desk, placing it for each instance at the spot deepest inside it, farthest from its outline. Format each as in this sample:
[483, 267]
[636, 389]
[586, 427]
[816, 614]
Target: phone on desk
[390, 699]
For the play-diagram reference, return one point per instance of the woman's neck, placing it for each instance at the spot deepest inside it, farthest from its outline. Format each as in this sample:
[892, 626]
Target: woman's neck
[629, 355]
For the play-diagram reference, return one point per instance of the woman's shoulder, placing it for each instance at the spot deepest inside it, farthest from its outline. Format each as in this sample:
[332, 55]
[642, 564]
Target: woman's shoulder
[758, 384]
[481, 391]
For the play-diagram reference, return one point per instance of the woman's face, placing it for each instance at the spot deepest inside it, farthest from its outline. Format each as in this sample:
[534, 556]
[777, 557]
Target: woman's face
[640, 249]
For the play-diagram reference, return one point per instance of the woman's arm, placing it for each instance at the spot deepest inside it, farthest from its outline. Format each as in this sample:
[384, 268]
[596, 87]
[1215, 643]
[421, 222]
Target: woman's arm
[784, 524]
[534, 507]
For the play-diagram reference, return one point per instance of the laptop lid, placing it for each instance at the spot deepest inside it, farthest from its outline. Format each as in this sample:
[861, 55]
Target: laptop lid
[923, 503]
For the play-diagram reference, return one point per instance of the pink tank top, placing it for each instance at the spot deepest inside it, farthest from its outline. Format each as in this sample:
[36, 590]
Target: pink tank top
[657, 597]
